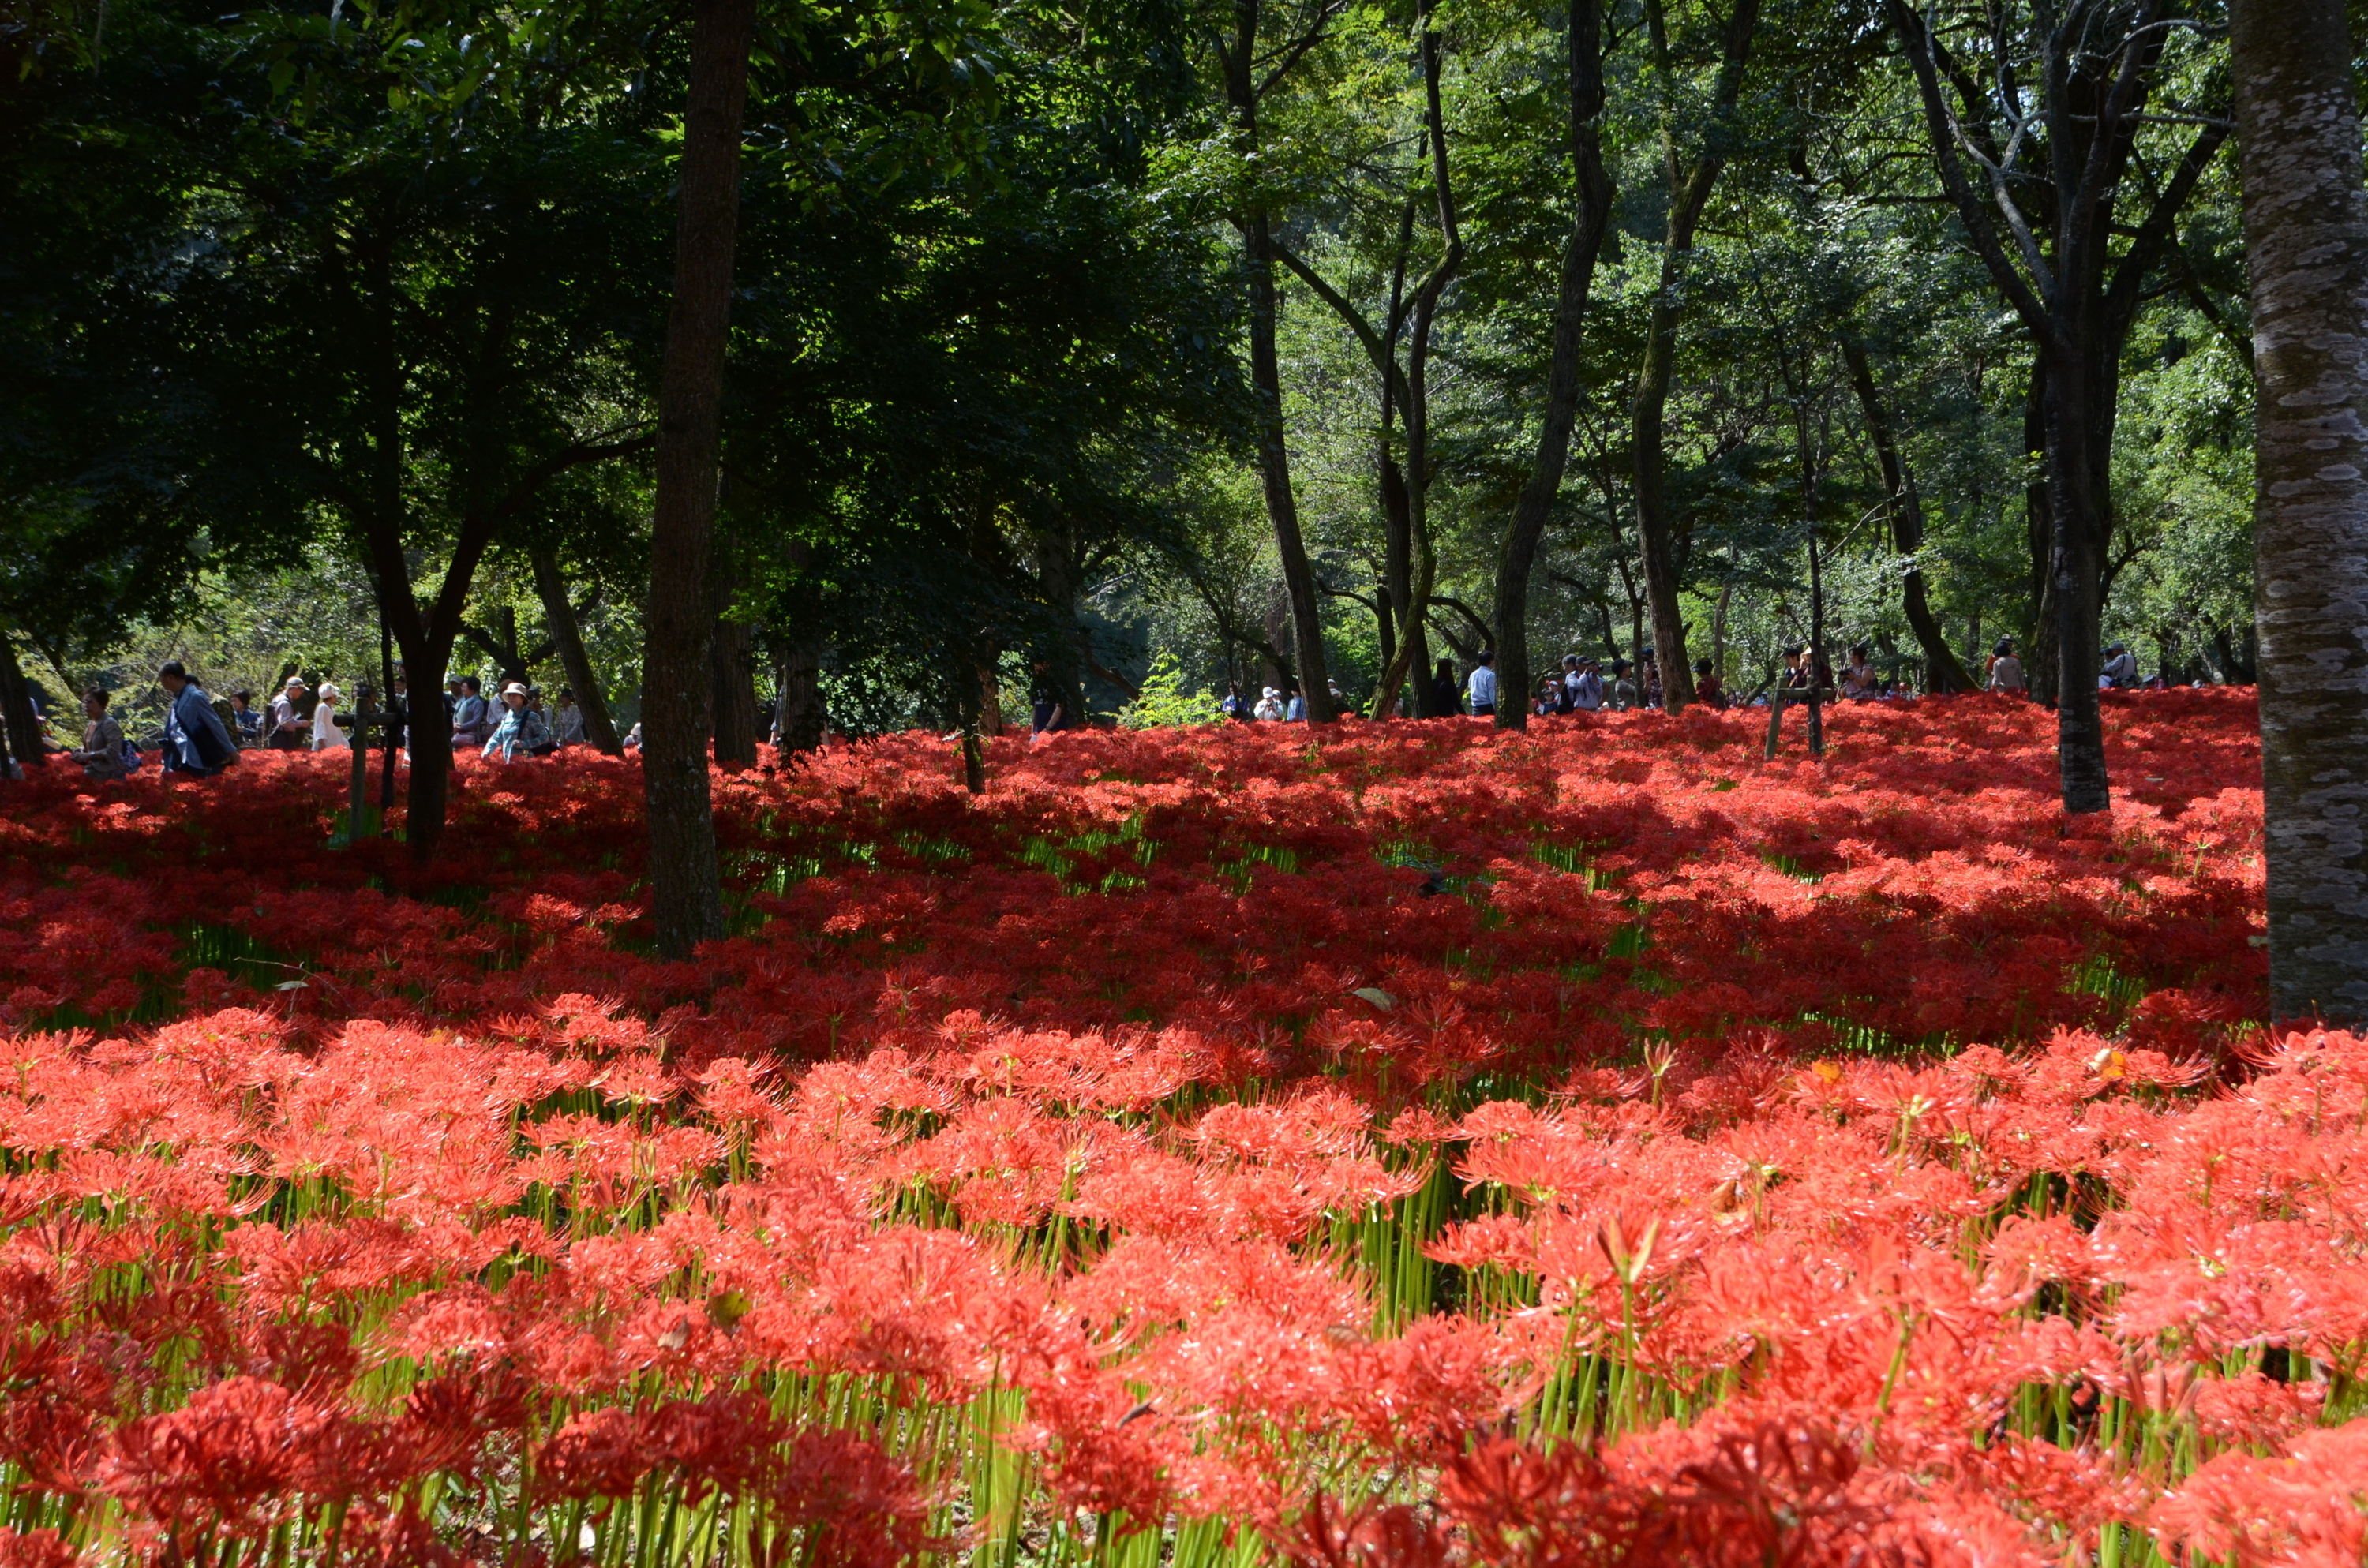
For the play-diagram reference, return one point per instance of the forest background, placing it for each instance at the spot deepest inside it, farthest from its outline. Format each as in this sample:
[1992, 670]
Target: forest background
[1228, 339]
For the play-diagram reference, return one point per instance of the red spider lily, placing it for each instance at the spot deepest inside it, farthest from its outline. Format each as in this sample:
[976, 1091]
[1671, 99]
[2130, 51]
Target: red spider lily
[1220, 1123]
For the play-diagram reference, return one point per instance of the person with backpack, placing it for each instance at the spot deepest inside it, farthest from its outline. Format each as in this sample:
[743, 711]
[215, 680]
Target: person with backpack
[102, 741]
[195, 739]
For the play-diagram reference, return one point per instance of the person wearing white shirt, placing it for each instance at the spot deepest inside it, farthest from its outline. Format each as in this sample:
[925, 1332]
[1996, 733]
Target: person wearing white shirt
[326, 736]
[1482, 687]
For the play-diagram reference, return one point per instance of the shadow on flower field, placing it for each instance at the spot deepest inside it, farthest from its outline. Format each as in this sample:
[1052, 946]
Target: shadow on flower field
[1398, 1146]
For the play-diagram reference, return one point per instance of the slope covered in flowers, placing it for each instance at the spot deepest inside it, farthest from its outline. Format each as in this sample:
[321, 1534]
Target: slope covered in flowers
[1407, 1145]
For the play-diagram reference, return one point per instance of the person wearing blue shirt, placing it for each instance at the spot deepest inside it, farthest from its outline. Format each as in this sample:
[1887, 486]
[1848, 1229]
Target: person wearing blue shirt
[521, 729]
[195, 739]
[1483, 687]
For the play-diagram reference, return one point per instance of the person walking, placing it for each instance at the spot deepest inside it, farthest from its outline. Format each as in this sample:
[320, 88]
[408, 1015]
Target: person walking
[1443, 697]
[288, 717]
[195, 739]
[521, 729]
[101, 753]
[326, 736]
[1048, 705]
[1482, 687]
[2005, 670]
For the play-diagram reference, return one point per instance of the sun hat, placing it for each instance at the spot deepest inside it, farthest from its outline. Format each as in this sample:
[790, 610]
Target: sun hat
[516, 689]
[295, 682]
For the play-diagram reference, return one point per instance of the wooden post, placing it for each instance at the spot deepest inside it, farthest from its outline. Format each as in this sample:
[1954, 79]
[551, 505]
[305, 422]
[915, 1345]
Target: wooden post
[365, 714]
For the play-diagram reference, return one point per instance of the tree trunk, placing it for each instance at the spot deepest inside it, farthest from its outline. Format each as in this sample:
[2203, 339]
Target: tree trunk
[1242, 88]
[733, 668]
[732, 672]
[1943, 673]
[2306, 245]
[2077, 509]
[798, 716]
[1415, 601]
[1274, 469]
[685, 880]
[1580, 252]
[17, 715]
[1689, 190]
[599, 729]
[2039, 534]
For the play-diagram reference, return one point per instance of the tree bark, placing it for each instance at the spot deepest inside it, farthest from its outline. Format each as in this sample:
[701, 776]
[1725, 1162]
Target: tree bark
[599, 729]
[2088, 97]
[1689, 190]
[1942, 672]
[1580, 252]
[17, 715]
[798, 717]
[732, 670]
[2306, 245]
[1242, 90]
[1414, 601]
[686, 887]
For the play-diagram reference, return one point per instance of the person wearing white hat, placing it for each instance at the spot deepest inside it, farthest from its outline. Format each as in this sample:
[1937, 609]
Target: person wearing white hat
[288, 717]
[326, 736]
[522, 729]
[1269, 706]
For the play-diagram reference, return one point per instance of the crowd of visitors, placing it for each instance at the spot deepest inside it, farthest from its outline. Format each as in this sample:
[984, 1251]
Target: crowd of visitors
[203, 734]
[1587, 685]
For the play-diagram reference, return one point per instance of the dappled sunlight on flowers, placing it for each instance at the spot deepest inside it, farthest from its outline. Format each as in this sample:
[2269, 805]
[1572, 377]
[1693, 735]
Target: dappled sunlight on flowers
[1404, 1146]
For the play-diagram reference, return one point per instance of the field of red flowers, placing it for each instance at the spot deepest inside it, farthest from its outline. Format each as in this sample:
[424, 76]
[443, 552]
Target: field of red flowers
[1388, 1147]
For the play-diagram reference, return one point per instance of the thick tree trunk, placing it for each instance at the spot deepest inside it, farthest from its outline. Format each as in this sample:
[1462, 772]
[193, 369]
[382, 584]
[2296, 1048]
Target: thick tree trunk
[1580, 252]
[732, 672]
[2306, 244]
[430, 744]
[1942, 673]
[733, 669]
[17, 715]
[685, 882]
[599, 729]
[798, 717]
[2078, 508]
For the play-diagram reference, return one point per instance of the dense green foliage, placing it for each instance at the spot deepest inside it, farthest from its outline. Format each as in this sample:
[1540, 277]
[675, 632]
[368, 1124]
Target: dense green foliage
[277, 283]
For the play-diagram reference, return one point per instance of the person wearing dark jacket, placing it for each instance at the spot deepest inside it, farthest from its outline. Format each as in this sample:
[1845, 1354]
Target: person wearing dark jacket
[195, 739]
[1446, 697]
